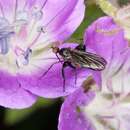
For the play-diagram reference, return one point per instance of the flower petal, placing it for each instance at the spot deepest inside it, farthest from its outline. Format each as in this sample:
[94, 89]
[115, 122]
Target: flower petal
[71, 118]
[71, 23]
[9, 8]
[116, 77]
[89, 111]
[109, 113]
[51, 84]
[60, 19]
[106, 38]
[12, 95]
[120, 11]
[57, 13]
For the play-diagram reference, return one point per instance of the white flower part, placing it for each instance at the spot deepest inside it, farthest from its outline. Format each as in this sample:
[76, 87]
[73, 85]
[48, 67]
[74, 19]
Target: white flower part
[114, 2]
[3, 23]
[116, 76]
[121, 15]
[37, 13]
[123, 19]
[20, 49]
[110, 109]
[22, 17]
[107, 112]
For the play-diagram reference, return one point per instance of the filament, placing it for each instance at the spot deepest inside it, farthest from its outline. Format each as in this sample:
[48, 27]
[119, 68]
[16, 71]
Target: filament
[2, 10]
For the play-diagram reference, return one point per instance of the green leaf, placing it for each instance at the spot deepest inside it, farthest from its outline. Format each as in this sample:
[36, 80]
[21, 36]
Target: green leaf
[13, 116]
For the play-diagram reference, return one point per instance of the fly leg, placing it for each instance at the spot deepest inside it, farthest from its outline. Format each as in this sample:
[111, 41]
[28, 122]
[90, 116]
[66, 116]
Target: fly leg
[65, 64]
[75, 76]
[48, 69]
[75, 71]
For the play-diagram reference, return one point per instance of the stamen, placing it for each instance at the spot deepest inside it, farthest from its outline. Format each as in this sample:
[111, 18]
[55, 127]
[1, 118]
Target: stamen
[5, 32]
[37, 37]
[2, 11]
[23, 59]
[54, 36]
[21, 17]
[3, 23]
[15, 9]
[25, 4]
[41, 29]
[4, 47]
[37, 13]
[27, 53]
[35, 40]
[44, 4]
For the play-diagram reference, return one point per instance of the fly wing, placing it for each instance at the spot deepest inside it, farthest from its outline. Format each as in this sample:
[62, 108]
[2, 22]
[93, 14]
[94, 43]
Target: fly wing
[88, 60]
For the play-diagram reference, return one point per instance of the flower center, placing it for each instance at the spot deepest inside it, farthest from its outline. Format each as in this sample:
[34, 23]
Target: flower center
[15, 41]
[20, 52]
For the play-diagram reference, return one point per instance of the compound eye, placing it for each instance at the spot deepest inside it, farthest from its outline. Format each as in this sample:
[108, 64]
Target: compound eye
[55, 49]
[66, 52]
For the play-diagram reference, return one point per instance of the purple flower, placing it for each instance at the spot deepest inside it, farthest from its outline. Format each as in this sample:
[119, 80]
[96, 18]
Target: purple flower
[106, 108]
[28, 28]
[119, 12]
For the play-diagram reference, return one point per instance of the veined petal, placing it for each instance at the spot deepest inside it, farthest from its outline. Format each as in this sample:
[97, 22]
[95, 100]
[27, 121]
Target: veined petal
[106, 38]
[10, 8]
[109, 113]
[71, 117]
[12, 94]
[88, 111]
[104, 35]
[119, 12]
[35, 25]
[116, 77]
[56, 13]
[70, 25]
[60, 19]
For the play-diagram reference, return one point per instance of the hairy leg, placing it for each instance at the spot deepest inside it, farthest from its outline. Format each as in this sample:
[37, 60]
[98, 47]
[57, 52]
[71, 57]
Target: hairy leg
[49, 69]
[66, 64]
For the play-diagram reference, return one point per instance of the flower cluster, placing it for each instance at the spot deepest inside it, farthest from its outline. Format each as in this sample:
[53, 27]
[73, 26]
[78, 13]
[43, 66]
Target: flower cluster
[95, 100]
[104, 107]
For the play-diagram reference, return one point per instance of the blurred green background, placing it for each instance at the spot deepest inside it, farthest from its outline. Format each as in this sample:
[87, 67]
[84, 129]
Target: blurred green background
[44, 114]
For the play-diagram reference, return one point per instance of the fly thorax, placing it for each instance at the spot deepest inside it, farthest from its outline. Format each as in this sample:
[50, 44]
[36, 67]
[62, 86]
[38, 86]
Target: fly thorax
[65, 53]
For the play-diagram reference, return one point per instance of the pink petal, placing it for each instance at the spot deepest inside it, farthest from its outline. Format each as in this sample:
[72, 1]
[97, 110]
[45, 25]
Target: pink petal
[12, 94]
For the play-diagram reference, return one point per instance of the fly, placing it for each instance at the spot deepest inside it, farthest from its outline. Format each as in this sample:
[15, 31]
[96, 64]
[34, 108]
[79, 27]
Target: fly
[77, 58]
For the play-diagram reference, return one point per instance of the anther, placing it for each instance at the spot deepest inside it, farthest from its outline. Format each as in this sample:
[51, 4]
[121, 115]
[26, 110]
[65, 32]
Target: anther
[23, 59]
[37, 13]
[27, 53]
[4, 47]
[5, 32]
[22, 17]
[41, 29]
